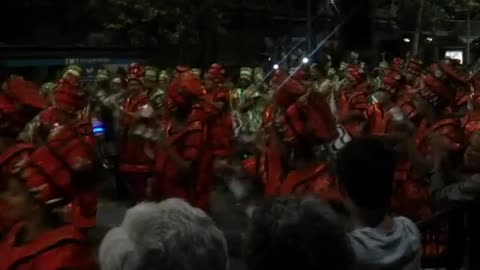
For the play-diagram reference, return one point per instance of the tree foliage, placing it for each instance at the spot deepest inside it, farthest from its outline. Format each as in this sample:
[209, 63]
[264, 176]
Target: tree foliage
[150, 22]
[47, 22]
[436, 13]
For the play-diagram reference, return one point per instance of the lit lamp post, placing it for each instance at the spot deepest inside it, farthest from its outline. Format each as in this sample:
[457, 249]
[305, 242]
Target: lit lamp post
[309, 25]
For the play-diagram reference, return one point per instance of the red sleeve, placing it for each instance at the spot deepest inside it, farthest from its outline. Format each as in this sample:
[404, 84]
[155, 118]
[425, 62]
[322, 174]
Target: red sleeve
[84, 209]
[359, 102]
[222, 96]
[324, 186]
[295, 119]
[267, 117]
[378, 120]
[451, 129]
[250, 166]
[192, 144]
[343, 104]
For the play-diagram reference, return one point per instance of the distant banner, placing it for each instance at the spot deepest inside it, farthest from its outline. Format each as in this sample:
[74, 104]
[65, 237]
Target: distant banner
[67, 61]
[90, 70]
[34, 62]
[97, 61]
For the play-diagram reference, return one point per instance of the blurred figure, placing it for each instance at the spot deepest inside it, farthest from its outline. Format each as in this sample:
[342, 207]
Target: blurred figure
[170, 235]
[48, 91]
[294, 233]
[117, 85]
[365, 169]
[220, 123]
[157, 98]
[150, 80]
[197, 72]
[20, 101]
[35, 195]
[181, 160]
[135, 166]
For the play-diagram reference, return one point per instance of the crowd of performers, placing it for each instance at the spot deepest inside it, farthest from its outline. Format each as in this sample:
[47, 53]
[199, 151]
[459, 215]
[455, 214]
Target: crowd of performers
[183, 134]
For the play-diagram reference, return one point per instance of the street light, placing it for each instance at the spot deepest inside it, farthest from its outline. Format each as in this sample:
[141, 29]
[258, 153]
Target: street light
[275, 66]
[406, 40]
[305, 60]
[429, 39]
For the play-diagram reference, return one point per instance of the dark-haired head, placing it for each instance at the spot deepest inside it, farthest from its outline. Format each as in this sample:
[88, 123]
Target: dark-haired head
[297, 233]
[365, 168]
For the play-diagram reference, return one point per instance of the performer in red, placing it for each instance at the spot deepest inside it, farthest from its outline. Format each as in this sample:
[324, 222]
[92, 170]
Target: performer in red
[383, 113]
[471, 124]
[295, 123]
[353, 102]
[458, 76]
[179, 70]
[135, 166]
[220, 121]
[180, 165]
[410, 71]
[19, 103]
[471, 121]
[69, 101]
[434, 97]
[41, 186]
[435, 94]
[69, 110]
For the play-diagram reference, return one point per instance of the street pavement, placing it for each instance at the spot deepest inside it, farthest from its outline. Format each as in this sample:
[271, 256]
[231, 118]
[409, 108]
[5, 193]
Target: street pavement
[230, 218]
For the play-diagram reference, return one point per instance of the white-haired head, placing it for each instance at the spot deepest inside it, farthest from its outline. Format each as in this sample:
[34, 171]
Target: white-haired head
[167, 235]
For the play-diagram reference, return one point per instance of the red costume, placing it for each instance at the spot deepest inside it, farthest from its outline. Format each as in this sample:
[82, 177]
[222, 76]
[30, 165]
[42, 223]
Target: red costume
[180, 168]
[386, 118]
[62, 248]
[55, 174]
[459, 81]
[69, 101]
[471, 122]
[383, 113]
[20, 101]
[436, 88]
[292, 123]
[66, 112]
[471, 126]
[220, 122]
[354, 101]
[9, 159]
[437, 91]
[135, 165]
[410, 193]
[410, 72]
[397, 65]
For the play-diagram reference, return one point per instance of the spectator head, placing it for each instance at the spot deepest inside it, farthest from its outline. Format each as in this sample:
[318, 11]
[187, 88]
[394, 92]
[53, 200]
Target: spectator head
[296, 233]
[167, 235]
[365, 170]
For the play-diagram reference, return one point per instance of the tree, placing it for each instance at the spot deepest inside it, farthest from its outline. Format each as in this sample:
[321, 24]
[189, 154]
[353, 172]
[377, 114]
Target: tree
[426, 15]
[47, 22]
[151, 22]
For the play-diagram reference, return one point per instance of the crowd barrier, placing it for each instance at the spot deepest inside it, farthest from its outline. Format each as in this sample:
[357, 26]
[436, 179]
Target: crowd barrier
[444, 238]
